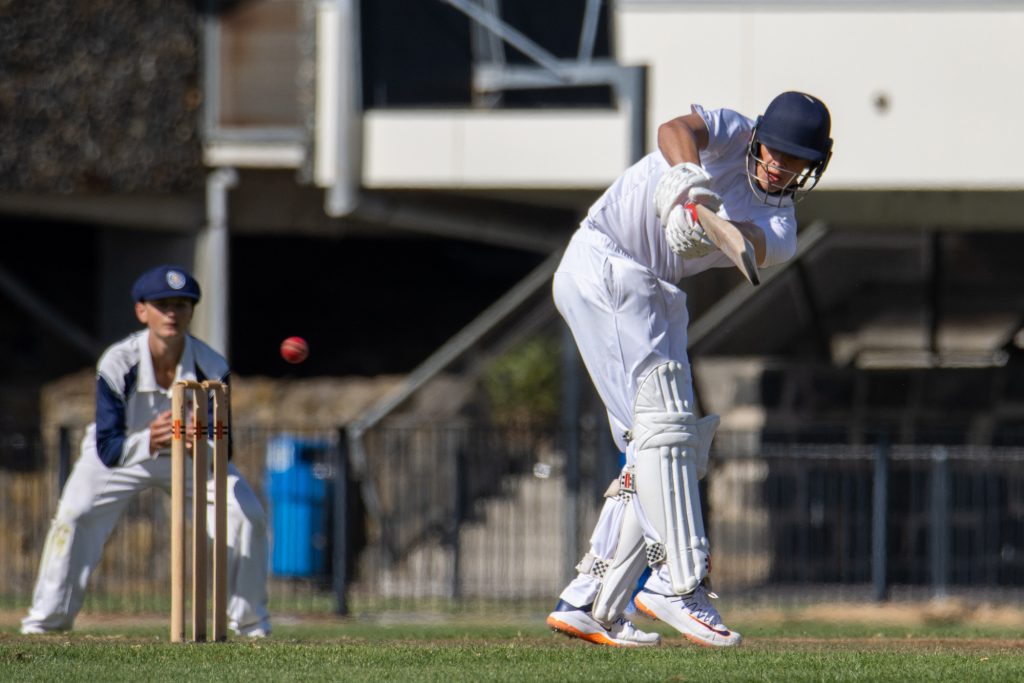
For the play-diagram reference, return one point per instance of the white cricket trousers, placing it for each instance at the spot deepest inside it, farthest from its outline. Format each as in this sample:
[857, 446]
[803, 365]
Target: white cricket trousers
[94, 498]
[625, 321]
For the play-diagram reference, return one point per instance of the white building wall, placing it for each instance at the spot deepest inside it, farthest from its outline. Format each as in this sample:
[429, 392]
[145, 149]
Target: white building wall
[953, 79]
[578, 148]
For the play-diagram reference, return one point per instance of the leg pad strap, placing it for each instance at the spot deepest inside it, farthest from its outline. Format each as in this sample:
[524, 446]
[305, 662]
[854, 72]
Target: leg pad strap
[592, 565]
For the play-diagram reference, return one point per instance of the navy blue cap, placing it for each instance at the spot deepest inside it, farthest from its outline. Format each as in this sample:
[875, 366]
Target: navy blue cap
[798, 124]
[164, 282]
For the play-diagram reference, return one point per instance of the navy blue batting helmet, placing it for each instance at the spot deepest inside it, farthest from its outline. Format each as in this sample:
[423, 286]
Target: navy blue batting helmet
[798, 124]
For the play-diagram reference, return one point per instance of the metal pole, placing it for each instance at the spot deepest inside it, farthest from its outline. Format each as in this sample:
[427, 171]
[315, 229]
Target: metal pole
[934, 311]
[338, 140]
[339, 561]
[212, 262]
[879, 520]
[458, 514]
[570, 426]
[631, 92]
[588, 33]
[939, 527]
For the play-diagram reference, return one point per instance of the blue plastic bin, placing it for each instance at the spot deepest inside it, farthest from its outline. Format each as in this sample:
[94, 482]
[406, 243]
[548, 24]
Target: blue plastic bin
[297, 490]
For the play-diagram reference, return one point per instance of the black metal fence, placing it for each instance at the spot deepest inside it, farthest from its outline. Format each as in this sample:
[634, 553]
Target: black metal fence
[457, 516]
[875, 522]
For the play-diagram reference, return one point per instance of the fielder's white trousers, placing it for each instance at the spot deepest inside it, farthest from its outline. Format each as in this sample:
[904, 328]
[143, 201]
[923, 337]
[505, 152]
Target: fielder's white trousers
[94, 498]
[625, 321]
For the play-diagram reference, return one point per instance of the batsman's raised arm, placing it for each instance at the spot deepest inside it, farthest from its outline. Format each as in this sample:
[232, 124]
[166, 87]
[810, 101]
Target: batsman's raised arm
[680, 142]
[681, 139]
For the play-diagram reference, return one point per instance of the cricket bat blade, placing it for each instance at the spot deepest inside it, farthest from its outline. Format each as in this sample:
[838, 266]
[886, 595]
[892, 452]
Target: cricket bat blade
[731, 241]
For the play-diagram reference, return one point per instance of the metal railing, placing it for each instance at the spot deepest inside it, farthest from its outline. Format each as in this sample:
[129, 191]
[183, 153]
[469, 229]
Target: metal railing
[472, 515]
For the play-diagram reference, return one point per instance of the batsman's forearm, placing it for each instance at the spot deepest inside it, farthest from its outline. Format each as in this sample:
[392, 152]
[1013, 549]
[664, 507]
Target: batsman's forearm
[680, 140]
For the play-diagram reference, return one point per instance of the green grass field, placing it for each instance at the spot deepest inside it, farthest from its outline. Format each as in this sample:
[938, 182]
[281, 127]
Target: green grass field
[465, 649]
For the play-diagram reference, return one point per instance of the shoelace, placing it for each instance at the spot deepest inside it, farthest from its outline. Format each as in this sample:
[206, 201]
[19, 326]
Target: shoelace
[627, 626]
[699, 603]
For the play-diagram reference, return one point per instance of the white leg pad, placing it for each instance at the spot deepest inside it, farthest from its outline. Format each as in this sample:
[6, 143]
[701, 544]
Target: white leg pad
[623, 572]
[667, 445]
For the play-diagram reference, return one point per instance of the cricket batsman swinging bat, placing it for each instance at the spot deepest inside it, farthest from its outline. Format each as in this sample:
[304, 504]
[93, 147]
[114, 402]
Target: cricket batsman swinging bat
[731, 241]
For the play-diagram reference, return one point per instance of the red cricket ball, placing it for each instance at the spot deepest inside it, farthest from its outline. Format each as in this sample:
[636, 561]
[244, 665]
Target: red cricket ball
[294, 349]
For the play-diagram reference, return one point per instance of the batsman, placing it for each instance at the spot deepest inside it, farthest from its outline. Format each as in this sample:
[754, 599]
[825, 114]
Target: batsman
[616, 288]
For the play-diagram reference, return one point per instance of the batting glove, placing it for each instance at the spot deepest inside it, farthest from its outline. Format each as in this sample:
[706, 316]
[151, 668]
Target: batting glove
[705, 197]
[684, 233]
[675, 185]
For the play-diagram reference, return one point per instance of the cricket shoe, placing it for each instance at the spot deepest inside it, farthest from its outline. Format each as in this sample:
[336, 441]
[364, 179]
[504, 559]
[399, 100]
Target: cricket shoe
[37, 630]
[261, 629]
[579, 623]
[693, 615]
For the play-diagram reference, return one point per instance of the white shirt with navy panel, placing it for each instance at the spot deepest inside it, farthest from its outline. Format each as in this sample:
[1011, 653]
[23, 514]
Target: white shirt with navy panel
[630, 200]
[128, 397]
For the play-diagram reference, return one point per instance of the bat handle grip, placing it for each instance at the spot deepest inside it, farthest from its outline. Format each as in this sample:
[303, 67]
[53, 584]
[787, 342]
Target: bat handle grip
[691, 208]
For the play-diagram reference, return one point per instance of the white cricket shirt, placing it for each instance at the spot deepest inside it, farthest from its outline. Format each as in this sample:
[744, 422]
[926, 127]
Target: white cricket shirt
[626, 213]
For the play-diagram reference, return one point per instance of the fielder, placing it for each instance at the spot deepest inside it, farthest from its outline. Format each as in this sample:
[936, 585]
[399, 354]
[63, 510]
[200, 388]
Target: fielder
[616, 289]
[127, 450]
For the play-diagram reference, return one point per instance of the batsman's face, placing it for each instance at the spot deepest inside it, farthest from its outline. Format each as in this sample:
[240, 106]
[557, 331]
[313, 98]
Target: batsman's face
[166, 318]
[778, 171]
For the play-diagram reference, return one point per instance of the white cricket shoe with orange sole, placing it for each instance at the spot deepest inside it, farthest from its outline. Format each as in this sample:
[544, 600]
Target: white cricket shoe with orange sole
[578, 623]
[693, 615]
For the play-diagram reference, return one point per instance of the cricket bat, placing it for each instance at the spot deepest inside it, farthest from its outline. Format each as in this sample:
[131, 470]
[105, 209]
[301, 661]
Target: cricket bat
[731, 241]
